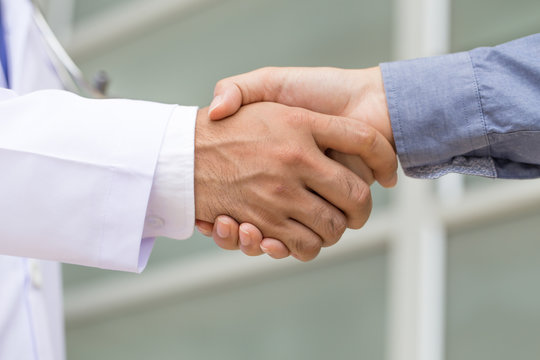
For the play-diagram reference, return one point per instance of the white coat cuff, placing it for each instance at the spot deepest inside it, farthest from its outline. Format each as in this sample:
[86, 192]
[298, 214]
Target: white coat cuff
[171, 207]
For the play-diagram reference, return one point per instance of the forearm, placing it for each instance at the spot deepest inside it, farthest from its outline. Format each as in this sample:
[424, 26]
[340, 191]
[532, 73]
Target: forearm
[475, 113]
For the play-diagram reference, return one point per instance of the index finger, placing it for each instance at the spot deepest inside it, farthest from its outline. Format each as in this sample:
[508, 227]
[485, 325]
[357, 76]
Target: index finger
[357, 138]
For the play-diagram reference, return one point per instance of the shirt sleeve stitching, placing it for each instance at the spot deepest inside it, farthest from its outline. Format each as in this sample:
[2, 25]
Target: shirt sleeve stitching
[513, 132]
[480, 106]
[393, 92]
[479, 103]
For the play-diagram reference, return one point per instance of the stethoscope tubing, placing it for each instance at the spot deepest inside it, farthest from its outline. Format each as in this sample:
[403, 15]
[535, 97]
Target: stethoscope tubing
[70, 74]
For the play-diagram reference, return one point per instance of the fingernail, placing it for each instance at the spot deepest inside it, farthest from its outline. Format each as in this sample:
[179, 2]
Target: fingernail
[395, 179]
[204, 232]
[223, 229]
[265, 250]
[215, 103]
[392, 181]
[245, 237]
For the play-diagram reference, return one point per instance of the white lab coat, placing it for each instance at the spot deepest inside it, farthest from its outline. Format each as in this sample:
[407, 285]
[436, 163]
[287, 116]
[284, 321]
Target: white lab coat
[78, 185]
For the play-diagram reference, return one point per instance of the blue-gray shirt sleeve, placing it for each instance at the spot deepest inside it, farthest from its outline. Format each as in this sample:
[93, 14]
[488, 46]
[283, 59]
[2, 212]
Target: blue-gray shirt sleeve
[475, 113]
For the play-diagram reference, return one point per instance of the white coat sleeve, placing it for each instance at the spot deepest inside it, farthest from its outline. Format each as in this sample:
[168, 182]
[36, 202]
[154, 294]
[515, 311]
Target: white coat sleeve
[77, 176]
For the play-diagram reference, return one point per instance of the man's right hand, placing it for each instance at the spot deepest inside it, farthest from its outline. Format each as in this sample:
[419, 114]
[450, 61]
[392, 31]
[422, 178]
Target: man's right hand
[354, 93]
[266, 166]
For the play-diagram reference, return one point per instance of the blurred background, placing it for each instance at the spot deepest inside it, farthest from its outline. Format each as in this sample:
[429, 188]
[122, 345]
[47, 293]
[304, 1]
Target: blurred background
[445, 269]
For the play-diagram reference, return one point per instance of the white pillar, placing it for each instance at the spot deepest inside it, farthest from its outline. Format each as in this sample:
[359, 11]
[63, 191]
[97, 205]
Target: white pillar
[417, 249]
[421, 28]
[417, 261]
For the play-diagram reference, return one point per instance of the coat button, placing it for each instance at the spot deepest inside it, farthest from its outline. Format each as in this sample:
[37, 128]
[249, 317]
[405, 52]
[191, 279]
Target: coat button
[36, 276]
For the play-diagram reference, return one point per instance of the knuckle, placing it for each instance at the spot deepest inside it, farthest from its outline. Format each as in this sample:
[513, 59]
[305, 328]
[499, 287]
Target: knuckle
[273, 83]
[333, 122]
[358, 223]
[347, 185]
[268, 219]
[281, 189]
[368, 138]
[332, 223]
[336, 227]
[359, 193]
[265, 72]
[359, 202]
[308, 247]
[221, 84]
[276, 197]
[292, 155]
[297, 118]
[363, 209]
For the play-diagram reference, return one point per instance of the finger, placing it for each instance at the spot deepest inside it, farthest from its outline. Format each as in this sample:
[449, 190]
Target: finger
[303, 243]
[320, 216]
[274, 248]
[357, 138]
[225, 233]
[341, 187]
[250, 239]
[353, 163]
[204, 227]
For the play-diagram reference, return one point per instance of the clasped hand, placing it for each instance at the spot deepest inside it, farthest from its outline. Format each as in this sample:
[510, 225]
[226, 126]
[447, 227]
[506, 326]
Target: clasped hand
[294, 177]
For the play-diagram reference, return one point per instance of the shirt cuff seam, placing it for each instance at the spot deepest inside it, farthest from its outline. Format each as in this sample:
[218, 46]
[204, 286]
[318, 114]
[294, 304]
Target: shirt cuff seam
[393, 110]
[481, 109]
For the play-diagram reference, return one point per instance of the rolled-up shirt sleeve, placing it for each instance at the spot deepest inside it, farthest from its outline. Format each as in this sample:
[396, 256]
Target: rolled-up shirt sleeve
[475, 113]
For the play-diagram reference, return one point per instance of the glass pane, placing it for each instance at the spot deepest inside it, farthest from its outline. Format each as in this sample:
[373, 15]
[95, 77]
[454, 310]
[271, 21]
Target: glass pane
[493, 303]
[335, 311]
[490, 22]
[181, 61]
[84, 9]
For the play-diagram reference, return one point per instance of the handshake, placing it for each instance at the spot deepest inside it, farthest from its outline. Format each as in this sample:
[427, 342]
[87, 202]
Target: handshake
[288, 168]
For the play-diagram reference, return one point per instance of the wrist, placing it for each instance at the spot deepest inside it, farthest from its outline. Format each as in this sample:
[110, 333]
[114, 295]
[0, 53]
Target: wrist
[201, 147]
[372, 103]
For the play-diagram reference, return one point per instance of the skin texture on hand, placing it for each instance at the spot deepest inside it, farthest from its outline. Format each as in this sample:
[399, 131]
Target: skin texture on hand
[358, 94]
[353, 93]
[266, 166]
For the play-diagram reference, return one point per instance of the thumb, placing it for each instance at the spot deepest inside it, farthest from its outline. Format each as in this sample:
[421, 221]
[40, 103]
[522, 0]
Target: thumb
[259, 85]
[227, 100]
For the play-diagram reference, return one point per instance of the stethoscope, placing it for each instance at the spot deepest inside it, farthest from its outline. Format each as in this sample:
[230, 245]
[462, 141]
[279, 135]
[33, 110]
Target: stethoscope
[70, 74]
